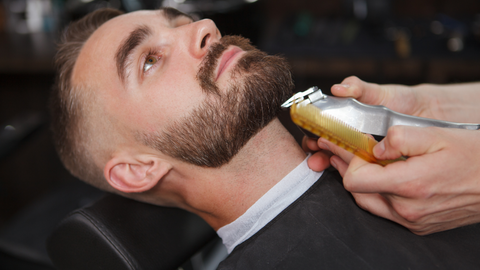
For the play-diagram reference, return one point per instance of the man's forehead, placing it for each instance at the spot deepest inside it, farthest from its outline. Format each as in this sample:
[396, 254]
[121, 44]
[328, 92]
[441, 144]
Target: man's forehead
[103, 43]
[125, 23]
[129, 21]
[100, 48]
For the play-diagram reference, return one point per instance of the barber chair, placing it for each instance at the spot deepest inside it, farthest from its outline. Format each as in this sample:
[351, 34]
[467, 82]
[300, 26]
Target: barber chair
[119, 233]
[104, 231]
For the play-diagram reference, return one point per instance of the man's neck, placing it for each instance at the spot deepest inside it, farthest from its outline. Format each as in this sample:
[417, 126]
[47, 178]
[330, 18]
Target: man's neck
[223, 194]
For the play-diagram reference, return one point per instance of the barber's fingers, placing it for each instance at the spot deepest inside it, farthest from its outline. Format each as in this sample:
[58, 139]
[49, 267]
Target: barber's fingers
[364, 177]
[339, 164]
[379, 205]
[369, 93]
[341, 157]
[319, 161]
[400, 98]
[387, 207]
[409, 141]
[434, 190]
[375, 204]
[382, 206]
[423, 147]
[335, 149]
[309, 144]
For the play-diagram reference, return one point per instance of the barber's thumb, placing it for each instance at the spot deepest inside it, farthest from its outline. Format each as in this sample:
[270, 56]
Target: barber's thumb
[407, 141]
[350, 87]
[393, 145]
[379, 149]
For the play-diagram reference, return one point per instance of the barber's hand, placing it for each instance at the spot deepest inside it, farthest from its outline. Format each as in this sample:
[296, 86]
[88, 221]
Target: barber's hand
[400, 98]
[437, 188]
[320, 159]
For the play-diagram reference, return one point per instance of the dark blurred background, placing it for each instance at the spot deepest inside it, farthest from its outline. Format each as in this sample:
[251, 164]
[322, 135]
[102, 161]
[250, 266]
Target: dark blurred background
[382, 41]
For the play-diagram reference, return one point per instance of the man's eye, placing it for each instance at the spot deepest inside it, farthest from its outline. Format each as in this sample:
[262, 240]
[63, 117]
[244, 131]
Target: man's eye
[149, 62]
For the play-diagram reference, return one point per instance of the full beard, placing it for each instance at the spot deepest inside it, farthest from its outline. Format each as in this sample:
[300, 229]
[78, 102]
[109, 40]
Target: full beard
[215, 131]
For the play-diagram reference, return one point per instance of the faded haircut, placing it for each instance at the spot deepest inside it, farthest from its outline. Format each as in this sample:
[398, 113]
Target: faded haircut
[69, 105]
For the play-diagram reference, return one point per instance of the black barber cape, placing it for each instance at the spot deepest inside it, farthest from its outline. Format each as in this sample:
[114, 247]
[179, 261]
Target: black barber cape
[325, 229]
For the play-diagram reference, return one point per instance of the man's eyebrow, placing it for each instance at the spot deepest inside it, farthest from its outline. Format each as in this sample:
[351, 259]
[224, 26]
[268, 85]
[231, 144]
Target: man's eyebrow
[136, 37]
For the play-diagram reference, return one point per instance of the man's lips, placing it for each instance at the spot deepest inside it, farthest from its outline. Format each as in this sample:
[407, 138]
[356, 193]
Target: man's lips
[227, 59]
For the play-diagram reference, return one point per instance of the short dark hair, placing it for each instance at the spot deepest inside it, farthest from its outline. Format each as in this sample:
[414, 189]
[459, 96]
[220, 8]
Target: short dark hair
[68, 102]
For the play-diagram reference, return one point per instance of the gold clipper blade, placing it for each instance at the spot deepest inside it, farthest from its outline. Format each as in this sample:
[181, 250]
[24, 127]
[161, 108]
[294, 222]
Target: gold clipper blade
[312, 119]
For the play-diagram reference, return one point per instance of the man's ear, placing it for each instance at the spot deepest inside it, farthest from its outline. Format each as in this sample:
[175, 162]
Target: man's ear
[137, 173]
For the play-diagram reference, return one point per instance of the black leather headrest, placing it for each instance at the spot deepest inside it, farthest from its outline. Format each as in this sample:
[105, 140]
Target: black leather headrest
[119, 233]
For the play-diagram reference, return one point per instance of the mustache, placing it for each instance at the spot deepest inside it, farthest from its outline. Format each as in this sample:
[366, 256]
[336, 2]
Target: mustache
[206, 73]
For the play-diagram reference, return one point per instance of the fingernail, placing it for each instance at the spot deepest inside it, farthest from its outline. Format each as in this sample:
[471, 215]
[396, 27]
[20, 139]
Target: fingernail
[343, 85]
[333, 164]
[379, 149]
[323, 146]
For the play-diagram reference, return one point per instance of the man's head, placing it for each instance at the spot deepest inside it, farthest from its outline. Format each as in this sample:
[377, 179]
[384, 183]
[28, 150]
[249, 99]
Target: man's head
[144, 87]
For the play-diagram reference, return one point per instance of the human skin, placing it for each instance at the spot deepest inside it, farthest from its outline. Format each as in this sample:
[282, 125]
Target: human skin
[166, 93]
[438, 187]
[175, 48]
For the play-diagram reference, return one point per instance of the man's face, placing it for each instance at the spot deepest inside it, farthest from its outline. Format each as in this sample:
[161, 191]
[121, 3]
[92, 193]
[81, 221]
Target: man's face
[179, 86]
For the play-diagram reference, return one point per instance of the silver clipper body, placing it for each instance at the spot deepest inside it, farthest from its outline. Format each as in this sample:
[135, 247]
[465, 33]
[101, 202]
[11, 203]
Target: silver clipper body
[369, 119]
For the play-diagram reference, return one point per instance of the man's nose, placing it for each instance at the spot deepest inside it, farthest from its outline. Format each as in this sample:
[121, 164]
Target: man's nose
[204, 34]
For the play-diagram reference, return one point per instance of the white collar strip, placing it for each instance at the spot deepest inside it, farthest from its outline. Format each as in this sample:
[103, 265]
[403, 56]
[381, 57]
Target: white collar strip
[272, 203]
